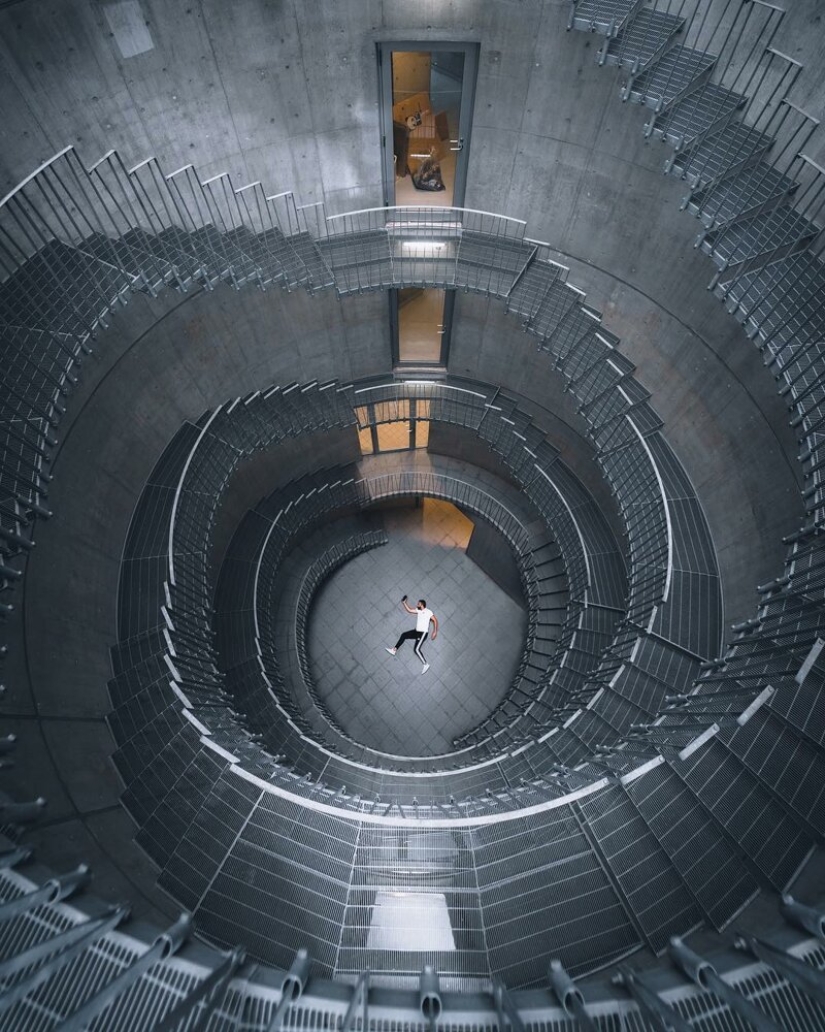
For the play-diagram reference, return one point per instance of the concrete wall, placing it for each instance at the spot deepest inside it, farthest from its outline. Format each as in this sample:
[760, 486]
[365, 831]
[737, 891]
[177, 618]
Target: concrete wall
[287, 92]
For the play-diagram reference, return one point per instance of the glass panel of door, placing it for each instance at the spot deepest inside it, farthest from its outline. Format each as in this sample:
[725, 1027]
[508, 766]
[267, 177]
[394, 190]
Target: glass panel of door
[426, 115]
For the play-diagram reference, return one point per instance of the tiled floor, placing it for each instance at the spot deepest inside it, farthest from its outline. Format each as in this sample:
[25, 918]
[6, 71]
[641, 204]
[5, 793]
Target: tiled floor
[384, 701]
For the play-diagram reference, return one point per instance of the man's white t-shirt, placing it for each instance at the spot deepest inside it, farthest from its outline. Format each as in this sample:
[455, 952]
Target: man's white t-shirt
[422, 619]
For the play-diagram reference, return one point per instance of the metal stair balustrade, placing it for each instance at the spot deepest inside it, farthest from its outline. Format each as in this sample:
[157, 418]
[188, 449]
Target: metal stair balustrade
[168, 237]
[606, 17]
[265, 600]
[390, 415]
[642, 40]
[715, 104]
[38, 288]
[749, 244]
[729, 175]
[719, 152]
[135, 243]
[749, 193]
[246, 250]
[679, 72]
[42, 223]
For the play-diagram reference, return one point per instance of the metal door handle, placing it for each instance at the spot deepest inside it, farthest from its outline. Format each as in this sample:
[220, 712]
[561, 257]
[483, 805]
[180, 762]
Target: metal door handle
[460, 142]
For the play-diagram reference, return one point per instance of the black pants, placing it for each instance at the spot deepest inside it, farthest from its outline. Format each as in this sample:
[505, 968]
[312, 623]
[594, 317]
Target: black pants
[419, 636]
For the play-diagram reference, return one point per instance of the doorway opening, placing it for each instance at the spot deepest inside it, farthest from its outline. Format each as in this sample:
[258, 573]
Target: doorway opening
[426, 103]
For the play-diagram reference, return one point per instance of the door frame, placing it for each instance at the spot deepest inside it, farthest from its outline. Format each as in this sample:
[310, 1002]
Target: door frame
[446, 331]
[384, 51]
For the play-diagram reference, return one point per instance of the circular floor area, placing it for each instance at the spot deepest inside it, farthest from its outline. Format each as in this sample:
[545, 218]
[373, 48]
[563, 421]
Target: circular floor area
[384, 701]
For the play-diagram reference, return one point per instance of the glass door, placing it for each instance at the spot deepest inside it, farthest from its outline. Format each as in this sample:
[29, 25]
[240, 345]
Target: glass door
[426, 106]
[426, 109]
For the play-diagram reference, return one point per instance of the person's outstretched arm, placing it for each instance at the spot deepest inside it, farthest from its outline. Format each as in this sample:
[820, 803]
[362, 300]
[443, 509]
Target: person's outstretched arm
[434, 622]
[407, 607]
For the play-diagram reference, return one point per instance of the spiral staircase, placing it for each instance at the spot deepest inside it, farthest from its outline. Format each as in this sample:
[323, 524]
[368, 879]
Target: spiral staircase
[641, 778]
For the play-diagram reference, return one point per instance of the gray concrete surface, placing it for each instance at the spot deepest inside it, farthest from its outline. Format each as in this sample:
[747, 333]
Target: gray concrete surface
[288, 93]
[385, 701]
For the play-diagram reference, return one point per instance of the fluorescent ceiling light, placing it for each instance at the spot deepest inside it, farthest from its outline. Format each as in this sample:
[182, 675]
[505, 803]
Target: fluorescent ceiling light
[424, 245]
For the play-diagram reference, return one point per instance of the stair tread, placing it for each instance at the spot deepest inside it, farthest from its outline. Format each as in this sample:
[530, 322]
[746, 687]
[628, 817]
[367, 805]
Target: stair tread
[673, 73]
[641, 38]
[760, 234]
[768, 834]
[695, 844]
[654, 890]
[693, 115]
[604, 16]
[751, 187]
[723, 150]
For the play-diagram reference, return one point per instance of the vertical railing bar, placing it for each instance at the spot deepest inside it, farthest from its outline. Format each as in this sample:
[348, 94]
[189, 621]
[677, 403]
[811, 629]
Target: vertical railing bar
[128, 218]
[151, 216]
[46, 182]
[55, 278]
[756, 242]
[721, 69]
[85, 182]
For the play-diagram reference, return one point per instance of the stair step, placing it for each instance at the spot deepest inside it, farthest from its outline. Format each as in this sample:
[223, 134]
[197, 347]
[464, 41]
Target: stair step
[786, 294]
[694, 116]
[654, 891]
[792, 766]
[559, 303]
[709, 866]
[761, 289]
[605, 17]
[165, 250]
[527, 295]
[233, 263]
[61, 288]
[641, 40]
[720, 155]
[255, 247]
[766, 833]
[309, 268]
[766, 234]
[678, 73]
[733, 198]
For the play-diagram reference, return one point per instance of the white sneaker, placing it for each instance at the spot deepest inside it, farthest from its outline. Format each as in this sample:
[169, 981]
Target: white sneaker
[391, 651]
[425, 668]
